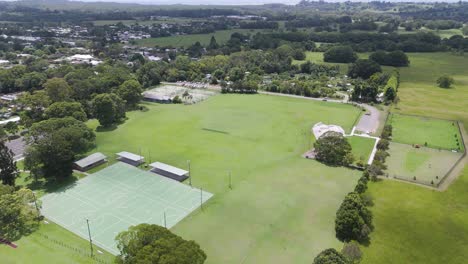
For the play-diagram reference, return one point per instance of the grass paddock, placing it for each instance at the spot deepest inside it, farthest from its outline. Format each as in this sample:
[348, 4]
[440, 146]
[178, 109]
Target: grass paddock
[436, 133]
[423, 165]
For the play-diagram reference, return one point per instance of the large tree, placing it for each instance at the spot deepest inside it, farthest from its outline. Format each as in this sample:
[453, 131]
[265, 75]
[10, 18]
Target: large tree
[364, 69]
[130, 91]
[147, 243]
[8, 169]
[17, 217]
[333, 149]
[342, 54]
[66, 109]
[108, 109]
[353, 219]
[54, 144]
[58, 90]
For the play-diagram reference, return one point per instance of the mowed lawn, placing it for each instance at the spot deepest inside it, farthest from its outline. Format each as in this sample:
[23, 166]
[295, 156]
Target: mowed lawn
[282, 207]
[51, 244]
[423, 165]
[413, 224]
[361, 147]
[437, 133]
[417, 225]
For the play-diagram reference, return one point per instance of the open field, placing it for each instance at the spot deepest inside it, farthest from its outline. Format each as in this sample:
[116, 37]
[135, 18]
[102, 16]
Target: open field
[437, 133]
[417, 225]
[423, 165]
[414, 224]
[361, 147]
[222, 36]
[42, 247]
[419, 93]
[282, 207]
[317, 57]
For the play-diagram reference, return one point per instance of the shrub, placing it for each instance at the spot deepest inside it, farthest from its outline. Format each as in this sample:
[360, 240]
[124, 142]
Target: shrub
[352, 251]
[445, 81]
[330, 256]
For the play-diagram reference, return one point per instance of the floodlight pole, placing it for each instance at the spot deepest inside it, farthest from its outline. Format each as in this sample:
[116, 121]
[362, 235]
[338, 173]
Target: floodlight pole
[201, 198]
[90, 240]
[165, 219]
[190, 172]
[37, 207]
[230, 180]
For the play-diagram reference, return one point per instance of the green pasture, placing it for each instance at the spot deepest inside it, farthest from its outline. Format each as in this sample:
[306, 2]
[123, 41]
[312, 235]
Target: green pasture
[437, 133]
[361, 147]
[419, 93]
[317, 57]
[423, 165]
[222, 36]
[414, 224]
[418, 225]
[282, 207]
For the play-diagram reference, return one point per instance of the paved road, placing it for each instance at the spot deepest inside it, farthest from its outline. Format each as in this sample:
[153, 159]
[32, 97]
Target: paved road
[17, 146]
[369, 122]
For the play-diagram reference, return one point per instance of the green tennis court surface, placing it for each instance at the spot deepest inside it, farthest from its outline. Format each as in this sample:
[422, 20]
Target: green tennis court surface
[118, 197]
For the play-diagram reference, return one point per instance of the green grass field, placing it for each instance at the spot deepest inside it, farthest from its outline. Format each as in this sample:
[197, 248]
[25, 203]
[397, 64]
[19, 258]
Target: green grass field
[437, 133]
[428, 165]
[282, 206]
[317, 57]
[222, 36]
[361, 147]
[42, 247]
[417, 225]
[414, 224]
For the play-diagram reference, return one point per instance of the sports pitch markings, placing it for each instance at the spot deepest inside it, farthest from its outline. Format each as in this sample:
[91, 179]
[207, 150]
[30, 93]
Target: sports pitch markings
[118, 197]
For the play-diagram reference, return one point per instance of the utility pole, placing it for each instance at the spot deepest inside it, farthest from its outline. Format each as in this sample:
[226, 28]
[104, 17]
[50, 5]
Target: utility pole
[90, 240]
[230, 180]
[190, 172]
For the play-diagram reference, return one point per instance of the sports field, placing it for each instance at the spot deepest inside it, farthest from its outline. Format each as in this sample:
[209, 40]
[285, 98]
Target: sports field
[281, 208]
[423, 165]
[437, 133]
[118, 197]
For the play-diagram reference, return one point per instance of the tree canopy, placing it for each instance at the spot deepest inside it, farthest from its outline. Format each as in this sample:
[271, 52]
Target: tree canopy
[154, 244]
[8, 169]
[54, 144]
[333, 149]
[364, 69]
[341, 54]
[17, 217]
[330, 256]
[109, 109]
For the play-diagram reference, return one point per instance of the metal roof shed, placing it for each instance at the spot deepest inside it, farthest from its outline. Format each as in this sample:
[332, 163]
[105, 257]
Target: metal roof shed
[130, 158]
[169, 171]
[90, 161]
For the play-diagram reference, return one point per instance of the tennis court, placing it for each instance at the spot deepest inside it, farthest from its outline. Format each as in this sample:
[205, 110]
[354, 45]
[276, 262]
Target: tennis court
[118, 197]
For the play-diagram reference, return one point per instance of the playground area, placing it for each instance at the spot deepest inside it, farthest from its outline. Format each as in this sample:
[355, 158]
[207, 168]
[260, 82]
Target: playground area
[187, 94]
[422, 165]
[118, 197]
